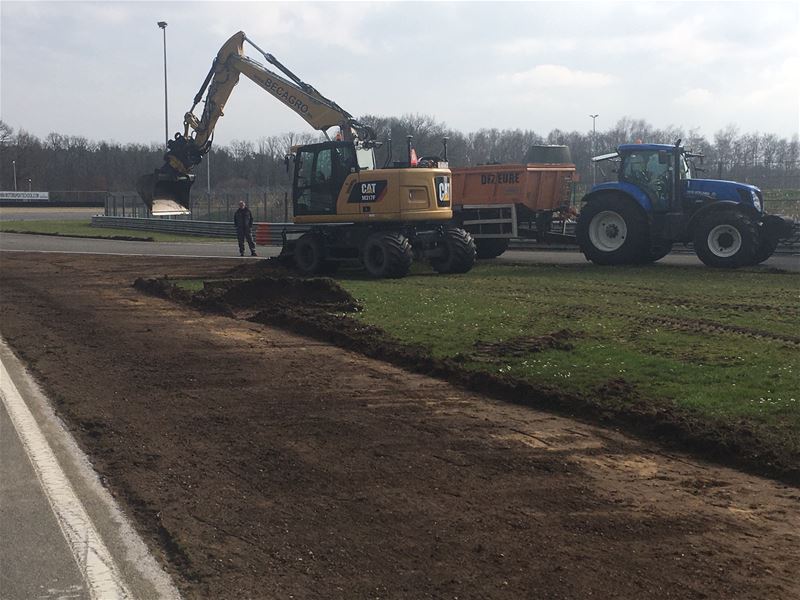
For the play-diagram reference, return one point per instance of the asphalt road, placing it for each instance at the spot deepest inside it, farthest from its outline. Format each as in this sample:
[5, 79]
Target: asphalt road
[61, 533]
[227, 249]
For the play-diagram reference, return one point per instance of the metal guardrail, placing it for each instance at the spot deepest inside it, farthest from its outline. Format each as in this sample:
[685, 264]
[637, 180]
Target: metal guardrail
[265, 234]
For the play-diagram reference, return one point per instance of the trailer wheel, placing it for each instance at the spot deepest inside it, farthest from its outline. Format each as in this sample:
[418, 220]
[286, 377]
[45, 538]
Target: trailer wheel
[387, 254]
[726, 239]
[612, 231]
[309, 254]
[490, 247]
[458, 252]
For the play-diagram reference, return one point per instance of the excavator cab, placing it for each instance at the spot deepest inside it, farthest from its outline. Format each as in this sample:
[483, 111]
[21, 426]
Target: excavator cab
[319, 175]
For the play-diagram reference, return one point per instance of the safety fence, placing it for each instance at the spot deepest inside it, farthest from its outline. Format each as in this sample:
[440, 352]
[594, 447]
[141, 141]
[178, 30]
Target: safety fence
[266, 206]
[265, 234]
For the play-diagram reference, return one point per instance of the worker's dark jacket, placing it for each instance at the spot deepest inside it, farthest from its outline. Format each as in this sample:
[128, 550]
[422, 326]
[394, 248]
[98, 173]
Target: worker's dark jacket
[243, 219]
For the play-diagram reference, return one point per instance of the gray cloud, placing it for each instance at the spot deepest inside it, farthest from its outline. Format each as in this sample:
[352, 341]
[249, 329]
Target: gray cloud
[95, 68]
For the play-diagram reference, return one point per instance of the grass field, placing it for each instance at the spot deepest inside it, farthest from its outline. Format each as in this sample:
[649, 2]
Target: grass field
[722, 344]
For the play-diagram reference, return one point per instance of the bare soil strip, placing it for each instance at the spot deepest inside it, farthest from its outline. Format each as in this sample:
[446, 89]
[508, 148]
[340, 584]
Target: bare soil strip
[259, 463]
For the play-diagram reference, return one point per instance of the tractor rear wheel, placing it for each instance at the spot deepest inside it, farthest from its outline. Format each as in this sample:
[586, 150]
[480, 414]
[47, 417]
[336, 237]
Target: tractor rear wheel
[458, 252]
[612, 231]
[490, 247]
[726, 239]
[387, 254]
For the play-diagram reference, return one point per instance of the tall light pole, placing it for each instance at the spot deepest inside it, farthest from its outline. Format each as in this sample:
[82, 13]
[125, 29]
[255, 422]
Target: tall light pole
[594, 138]
[163, 26]
[14, 166]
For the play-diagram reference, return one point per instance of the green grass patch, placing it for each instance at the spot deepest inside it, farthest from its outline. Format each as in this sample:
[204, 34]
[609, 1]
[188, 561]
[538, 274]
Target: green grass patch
[722, 344]
[75, 228]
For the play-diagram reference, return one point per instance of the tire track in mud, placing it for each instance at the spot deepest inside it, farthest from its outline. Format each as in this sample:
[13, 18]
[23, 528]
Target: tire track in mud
[648, 295]
[708, 326]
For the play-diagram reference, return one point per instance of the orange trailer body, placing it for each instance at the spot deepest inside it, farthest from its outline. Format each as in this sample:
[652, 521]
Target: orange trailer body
[538, 187]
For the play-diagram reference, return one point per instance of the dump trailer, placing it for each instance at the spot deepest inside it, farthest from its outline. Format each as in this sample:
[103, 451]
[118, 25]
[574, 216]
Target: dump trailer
[499, 202]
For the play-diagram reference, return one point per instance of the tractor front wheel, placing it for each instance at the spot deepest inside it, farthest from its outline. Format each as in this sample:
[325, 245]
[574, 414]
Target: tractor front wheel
[726, 239]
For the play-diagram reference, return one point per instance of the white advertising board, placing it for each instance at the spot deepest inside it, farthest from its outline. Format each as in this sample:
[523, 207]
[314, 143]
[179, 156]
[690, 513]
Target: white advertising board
[25, 196]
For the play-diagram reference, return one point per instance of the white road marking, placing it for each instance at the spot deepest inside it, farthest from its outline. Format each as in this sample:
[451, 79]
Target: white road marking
[93, 559]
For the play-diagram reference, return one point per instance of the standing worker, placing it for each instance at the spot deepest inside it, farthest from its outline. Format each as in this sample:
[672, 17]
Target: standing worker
[243, 219]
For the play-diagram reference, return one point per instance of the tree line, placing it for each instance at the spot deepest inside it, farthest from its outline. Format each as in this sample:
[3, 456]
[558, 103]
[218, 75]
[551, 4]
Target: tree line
[66, 163]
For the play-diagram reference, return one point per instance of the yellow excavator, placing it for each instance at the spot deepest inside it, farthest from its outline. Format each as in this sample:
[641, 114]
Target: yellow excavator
[384, 217]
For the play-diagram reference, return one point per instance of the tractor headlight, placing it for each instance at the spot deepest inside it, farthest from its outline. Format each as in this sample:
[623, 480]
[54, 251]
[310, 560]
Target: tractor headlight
[756, 200]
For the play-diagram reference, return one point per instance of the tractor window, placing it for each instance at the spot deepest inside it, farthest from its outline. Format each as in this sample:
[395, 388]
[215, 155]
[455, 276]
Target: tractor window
[650, 171]
[634, 169]
[685, 170]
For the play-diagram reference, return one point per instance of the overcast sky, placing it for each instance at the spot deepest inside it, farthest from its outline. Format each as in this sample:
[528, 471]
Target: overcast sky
[95, 69]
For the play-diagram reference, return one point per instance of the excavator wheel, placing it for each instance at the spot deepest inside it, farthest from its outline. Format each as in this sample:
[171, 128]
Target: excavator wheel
[309, 255]
[458, 252]
[387, 255]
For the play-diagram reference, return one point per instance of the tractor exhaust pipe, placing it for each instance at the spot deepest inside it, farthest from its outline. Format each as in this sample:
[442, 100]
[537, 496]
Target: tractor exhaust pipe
[165, 194]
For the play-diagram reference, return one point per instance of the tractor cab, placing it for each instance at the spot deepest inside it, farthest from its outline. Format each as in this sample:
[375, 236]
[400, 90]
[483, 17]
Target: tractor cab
[658, 170]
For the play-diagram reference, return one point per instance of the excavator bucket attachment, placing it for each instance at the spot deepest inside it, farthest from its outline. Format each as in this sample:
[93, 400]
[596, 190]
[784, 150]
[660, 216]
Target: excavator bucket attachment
[165, 195]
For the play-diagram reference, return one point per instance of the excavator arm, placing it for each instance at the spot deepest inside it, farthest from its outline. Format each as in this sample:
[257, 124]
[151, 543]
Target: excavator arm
[166, 191]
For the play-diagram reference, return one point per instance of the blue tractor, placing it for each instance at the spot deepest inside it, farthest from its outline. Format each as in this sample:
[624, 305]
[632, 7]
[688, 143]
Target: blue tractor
[655, 202]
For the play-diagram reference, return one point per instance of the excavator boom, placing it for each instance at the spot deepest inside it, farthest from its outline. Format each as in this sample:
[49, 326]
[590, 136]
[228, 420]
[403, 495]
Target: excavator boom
[166, 191]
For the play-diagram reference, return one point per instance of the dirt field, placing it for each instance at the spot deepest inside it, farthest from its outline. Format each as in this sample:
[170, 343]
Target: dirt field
[259, 463]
